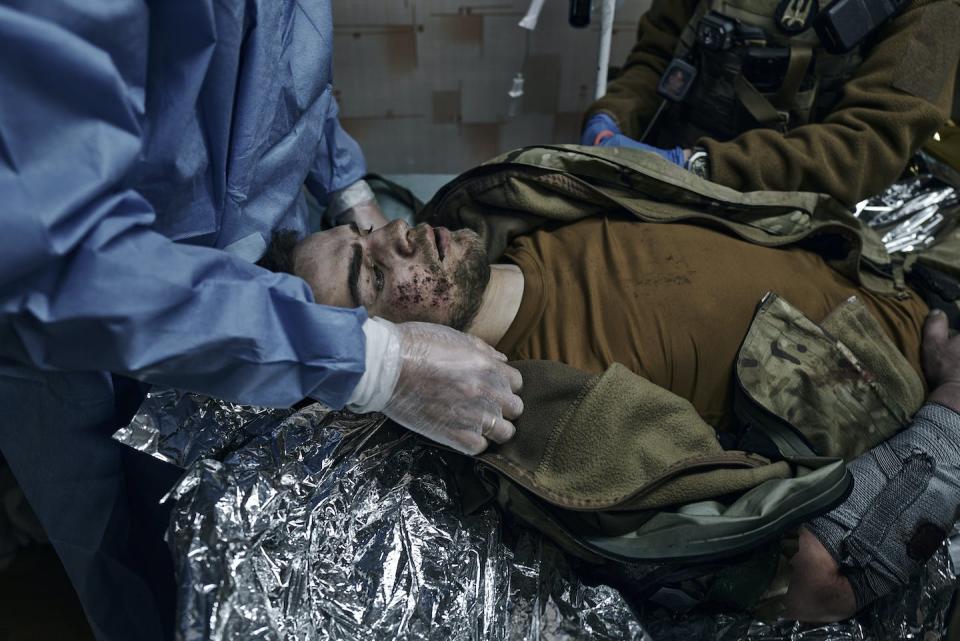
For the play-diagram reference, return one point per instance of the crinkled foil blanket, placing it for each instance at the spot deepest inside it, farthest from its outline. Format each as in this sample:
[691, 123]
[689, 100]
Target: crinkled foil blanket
[313, 525]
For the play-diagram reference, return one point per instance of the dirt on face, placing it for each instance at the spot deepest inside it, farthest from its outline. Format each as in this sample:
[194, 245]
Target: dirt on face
[431, 290]
[430, 293]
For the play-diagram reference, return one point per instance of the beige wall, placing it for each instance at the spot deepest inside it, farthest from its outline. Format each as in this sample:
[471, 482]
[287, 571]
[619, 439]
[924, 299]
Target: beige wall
[423, 84]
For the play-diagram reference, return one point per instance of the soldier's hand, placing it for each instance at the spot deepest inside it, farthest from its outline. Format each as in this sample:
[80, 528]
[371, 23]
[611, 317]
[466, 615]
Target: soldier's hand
[941, 361]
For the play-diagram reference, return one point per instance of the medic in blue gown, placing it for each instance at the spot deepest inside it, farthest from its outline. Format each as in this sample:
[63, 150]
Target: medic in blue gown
[147, 150]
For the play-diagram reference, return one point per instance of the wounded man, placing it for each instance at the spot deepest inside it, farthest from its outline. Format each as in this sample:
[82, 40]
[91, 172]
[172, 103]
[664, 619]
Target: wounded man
[675, 304]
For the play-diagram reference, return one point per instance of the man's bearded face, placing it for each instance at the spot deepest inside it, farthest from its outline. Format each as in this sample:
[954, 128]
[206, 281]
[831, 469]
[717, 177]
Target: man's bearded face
[397, 272]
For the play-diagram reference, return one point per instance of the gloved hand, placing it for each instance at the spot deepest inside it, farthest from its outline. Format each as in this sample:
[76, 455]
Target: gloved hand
[602, 131]
[367, 215]
[357, 204]
[450, 387]
[599, 126]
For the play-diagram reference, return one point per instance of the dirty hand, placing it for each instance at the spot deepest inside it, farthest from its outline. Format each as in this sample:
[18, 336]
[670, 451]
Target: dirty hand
[448, 386]
[941, 361]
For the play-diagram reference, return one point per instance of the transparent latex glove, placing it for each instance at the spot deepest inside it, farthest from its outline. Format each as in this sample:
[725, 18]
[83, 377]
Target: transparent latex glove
[355, 204]
[366, 215]
[453, 388]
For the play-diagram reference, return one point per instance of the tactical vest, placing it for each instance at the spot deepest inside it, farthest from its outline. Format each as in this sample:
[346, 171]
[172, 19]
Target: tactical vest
[740, 88]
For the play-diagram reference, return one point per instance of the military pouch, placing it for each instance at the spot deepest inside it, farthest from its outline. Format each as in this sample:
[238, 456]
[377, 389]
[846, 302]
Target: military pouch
[834, 389]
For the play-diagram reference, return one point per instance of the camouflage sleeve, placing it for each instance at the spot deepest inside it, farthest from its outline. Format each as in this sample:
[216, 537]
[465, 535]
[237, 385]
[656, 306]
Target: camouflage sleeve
[632, 98]
[900, 95]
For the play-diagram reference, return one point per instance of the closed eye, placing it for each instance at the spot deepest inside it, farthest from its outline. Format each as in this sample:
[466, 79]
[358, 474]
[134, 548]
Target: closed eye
[356, 265]
[353, 275]
[356, 229]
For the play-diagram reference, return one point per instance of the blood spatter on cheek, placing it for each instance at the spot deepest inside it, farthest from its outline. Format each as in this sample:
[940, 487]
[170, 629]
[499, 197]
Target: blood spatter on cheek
[407, 295]
[422, 290]
[439, 285]
[442, 293]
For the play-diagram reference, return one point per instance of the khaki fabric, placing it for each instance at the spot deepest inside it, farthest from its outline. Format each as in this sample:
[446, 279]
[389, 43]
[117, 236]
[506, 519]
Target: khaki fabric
[899, 95]
[673, 303]
[842, 383]
[612, 464]
[616, 441]
[518, 192]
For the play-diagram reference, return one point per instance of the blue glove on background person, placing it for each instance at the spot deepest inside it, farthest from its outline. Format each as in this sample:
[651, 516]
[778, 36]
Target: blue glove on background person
[598, 128]
[602, 131]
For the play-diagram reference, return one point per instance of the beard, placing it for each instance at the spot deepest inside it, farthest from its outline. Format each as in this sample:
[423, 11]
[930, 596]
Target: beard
[470, 280]
[466, 285]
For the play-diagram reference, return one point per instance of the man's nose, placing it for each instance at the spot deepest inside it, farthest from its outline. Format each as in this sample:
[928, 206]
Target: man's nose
[392, 239]
[399, 235]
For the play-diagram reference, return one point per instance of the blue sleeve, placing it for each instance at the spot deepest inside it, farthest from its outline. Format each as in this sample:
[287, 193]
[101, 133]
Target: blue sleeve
[86, 284]
[339, 162]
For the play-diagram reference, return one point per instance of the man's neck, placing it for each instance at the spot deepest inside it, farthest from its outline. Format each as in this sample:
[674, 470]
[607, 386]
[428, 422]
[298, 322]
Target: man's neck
[501, 302]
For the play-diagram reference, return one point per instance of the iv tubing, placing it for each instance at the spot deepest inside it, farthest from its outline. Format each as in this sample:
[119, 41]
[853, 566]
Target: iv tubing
[603, 57]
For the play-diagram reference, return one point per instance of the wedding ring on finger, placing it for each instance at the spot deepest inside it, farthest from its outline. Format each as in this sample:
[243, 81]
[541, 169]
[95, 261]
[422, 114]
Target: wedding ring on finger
[488, 426]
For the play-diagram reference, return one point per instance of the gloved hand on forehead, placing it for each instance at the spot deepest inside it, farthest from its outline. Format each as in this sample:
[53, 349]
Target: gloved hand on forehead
[446, 385]
[602, 131]
[355, 204]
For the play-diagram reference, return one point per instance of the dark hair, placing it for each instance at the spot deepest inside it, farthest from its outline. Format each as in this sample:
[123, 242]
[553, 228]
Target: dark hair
[279, 254]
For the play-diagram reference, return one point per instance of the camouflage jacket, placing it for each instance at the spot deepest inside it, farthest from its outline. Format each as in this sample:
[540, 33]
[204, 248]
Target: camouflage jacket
[865, 130]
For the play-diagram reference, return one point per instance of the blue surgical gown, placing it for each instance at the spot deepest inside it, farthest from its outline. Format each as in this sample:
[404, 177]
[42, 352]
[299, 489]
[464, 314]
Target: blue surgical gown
[147, 150]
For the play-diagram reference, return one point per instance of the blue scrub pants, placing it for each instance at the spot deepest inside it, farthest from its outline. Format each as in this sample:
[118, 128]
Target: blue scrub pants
[97, 500]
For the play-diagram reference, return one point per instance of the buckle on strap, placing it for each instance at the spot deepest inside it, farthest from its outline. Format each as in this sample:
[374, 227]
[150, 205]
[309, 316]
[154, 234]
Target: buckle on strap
[759, 107]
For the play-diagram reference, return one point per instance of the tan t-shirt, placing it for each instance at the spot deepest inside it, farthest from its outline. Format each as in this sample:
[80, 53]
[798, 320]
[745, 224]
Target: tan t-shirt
[671, 302]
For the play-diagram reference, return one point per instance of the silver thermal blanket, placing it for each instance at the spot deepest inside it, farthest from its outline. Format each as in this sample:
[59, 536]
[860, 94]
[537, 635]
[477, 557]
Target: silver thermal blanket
[315, 525]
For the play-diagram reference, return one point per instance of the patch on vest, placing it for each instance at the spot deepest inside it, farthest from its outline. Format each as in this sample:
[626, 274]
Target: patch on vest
[795, 16]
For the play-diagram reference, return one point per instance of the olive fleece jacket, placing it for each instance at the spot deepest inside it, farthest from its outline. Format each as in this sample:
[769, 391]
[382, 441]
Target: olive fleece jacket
[898, 97]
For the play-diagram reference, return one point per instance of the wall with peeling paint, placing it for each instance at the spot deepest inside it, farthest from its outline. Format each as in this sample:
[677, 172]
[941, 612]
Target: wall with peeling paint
[423, 84]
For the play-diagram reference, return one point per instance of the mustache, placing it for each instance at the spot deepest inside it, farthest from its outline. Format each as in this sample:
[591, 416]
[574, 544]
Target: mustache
[423, 241]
